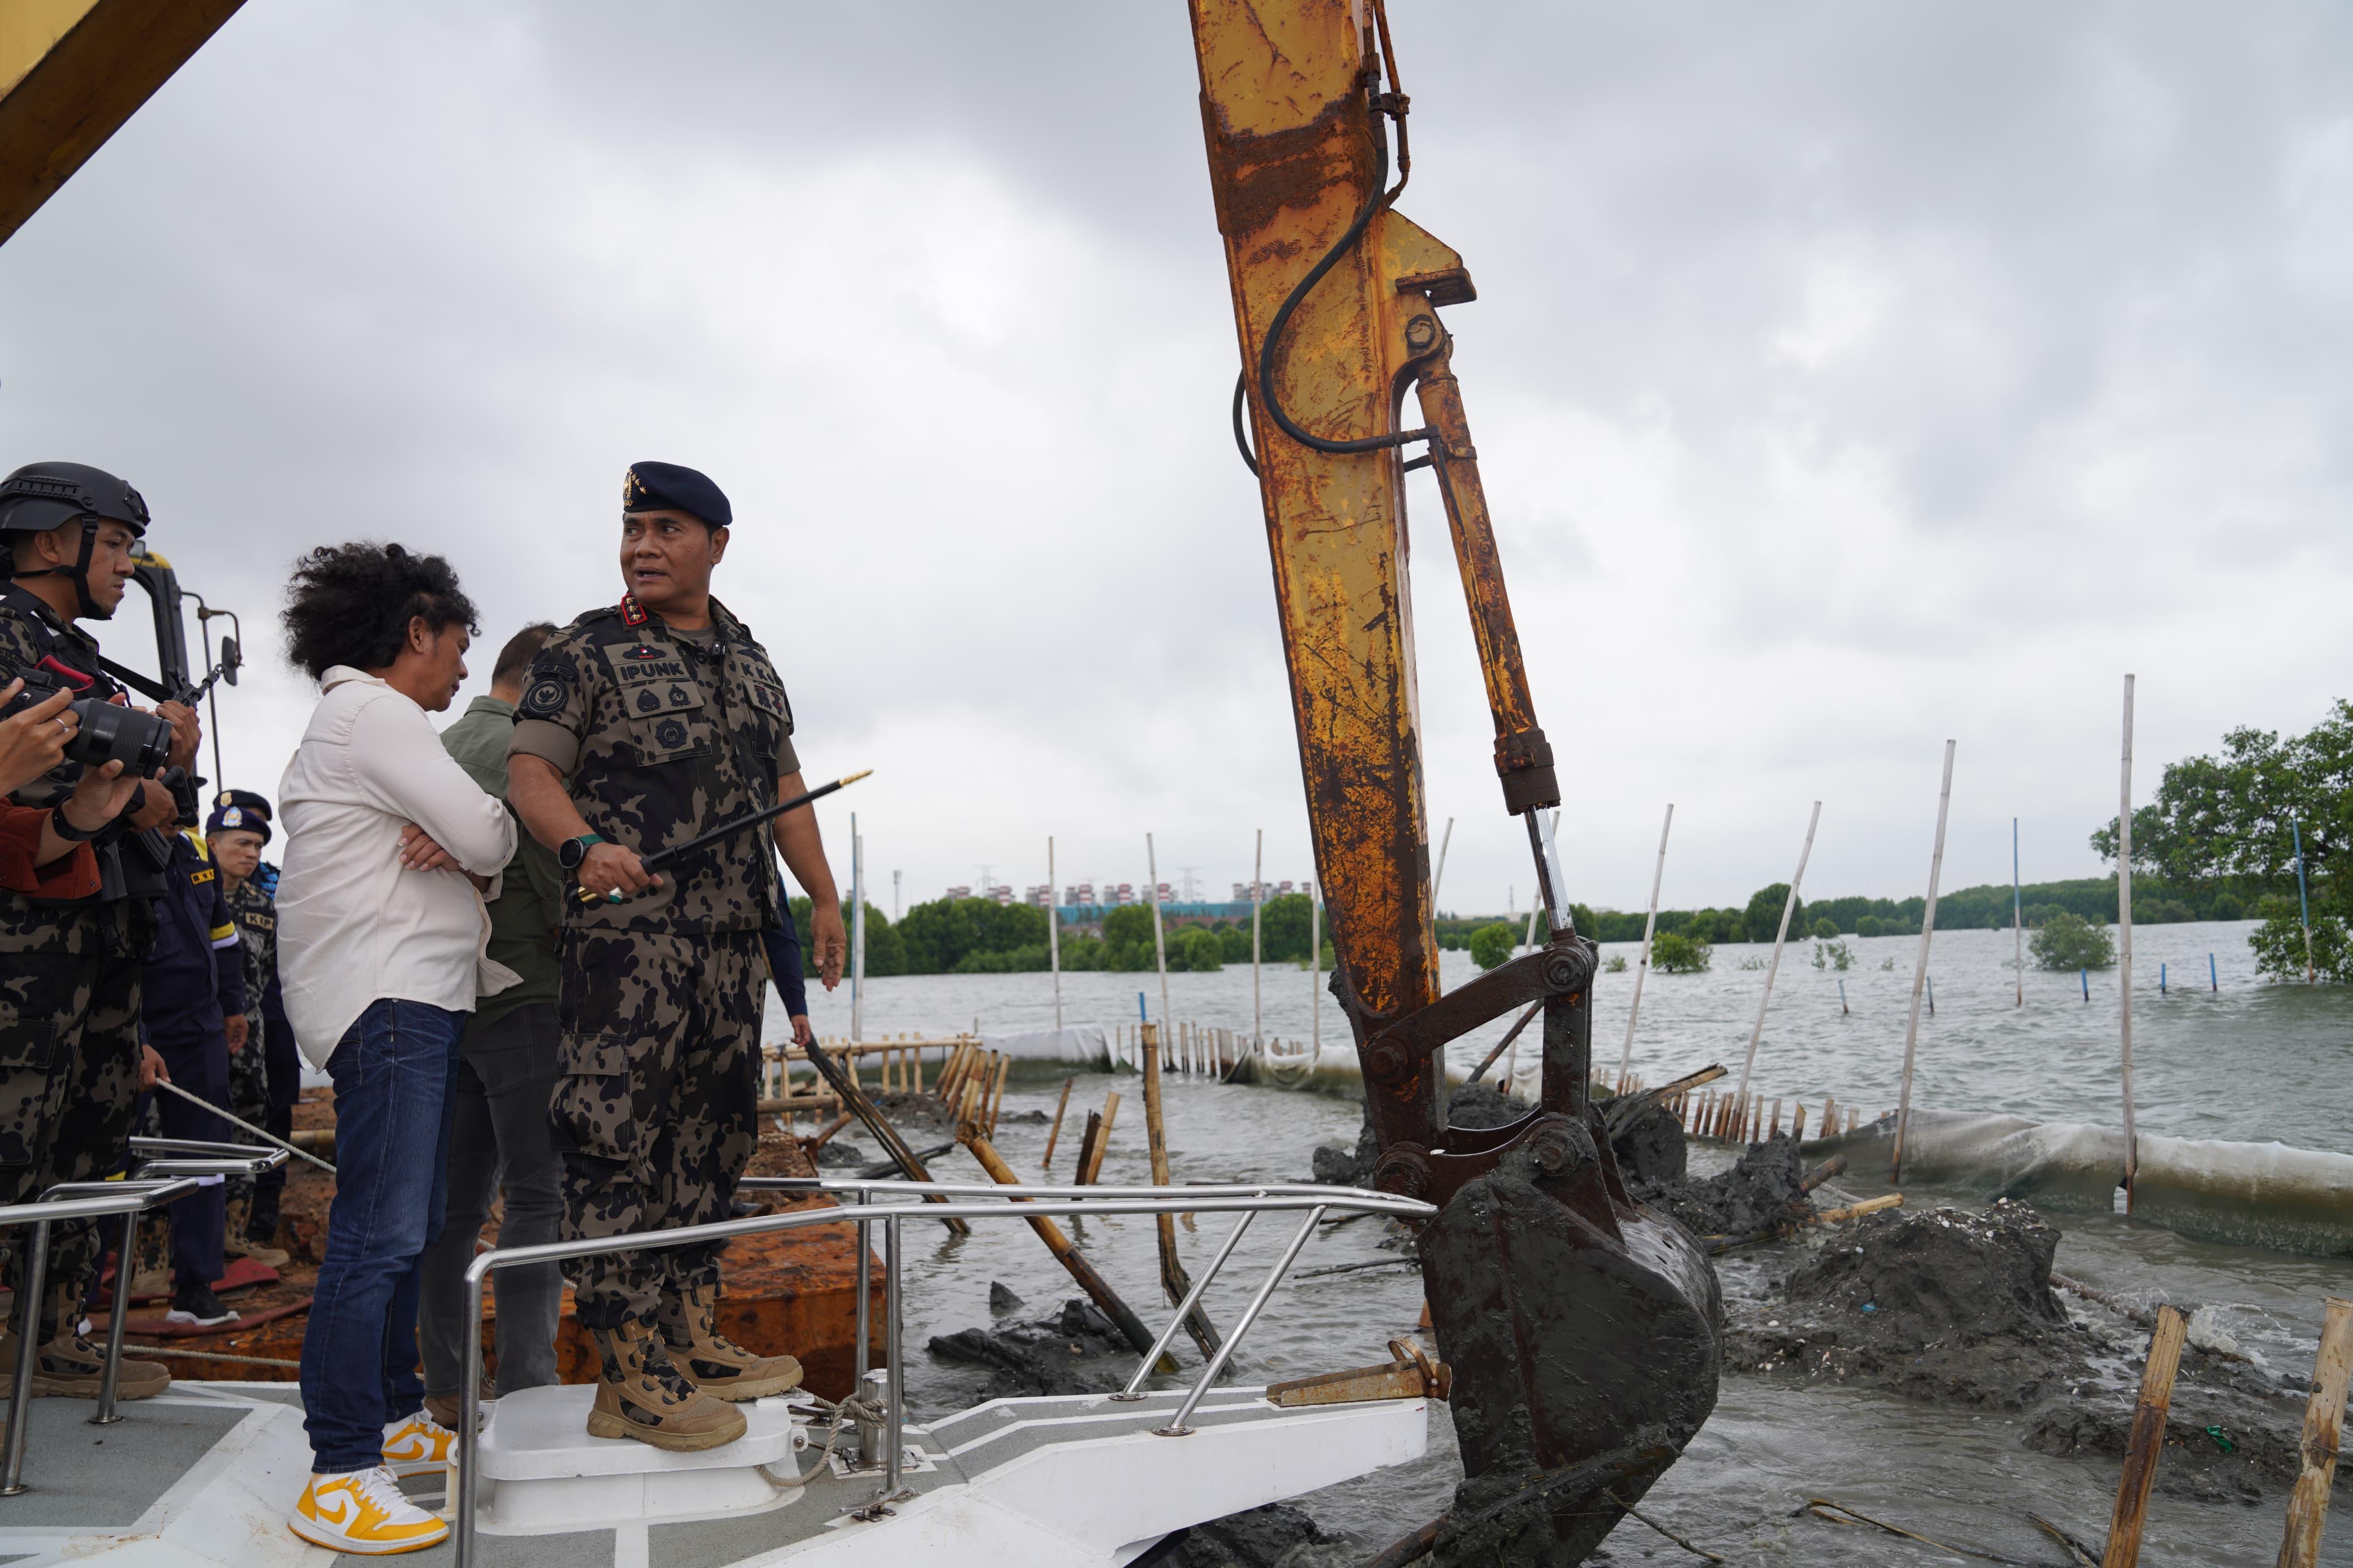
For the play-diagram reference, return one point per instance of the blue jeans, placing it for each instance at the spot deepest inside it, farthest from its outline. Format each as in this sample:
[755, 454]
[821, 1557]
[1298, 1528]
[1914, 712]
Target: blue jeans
[393, 1071]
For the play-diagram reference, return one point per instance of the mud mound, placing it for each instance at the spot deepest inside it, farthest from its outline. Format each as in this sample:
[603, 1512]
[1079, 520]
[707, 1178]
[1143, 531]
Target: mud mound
[1077, 1351]
[1651, 1148]
[923, 1111]
[1937, 1305]
[1907, 1279]
[1258, 1538]
[1348, 1167]
[1483, 1105]
[834, 1154]
[1763, 1193]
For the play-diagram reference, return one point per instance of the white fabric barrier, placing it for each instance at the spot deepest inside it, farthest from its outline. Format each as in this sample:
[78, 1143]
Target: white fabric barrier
[2254, 1194]
[1085, 1044]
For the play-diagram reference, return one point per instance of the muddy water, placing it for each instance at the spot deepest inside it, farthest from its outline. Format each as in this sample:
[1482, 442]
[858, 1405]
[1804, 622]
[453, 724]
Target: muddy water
[2248, 1061]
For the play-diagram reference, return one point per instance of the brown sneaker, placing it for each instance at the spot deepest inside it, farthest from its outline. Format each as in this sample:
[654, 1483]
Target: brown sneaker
[236, 1246]
[715, 1364]
[70, 1367]
[640, 1395]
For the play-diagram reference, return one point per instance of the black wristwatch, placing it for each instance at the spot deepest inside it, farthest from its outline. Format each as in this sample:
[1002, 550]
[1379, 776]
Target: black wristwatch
[571, 851]
[69, 832]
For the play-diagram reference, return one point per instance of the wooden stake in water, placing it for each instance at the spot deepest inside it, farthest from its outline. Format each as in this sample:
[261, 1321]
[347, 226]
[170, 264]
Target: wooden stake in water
[857, 930]
[2017, 918]
[1650, 925]
[1174, 1280]
[1440, 875]
[2123, 941]
[2303, 899]
[2324, 1427]
[1054, 933]
[1779, 938]
[1257, 899]
[1159, 943]
[1920, 971]
[1055, 1131]
[2147, 1441]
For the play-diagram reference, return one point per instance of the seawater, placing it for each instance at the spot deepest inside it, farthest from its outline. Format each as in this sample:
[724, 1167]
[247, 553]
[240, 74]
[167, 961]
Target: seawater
[2252, 1060]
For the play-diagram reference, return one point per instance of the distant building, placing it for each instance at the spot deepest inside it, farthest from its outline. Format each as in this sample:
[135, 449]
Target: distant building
[1002, 893]
[1124, 893]
[1081, 894]
[959, 892]
[1039, 897]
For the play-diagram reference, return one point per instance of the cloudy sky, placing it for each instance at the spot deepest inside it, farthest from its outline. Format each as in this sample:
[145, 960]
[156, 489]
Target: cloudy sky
[1846, 377]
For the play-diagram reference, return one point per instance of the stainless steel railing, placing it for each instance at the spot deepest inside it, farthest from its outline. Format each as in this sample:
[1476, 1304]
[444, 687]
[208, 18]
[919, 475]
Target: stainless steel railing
[963, 1201]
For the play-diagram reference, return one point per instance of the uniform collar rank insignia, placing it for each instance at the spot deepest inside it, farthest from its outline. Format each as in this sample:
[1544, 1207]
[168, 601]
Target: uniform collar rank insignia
[632, 613]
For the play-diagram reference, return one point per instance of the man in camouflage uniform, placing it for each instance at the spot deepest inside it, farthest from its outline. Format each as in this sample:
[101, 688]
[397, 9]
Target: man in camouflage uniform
[640, 726]
[264, 1072]
[70, 1057]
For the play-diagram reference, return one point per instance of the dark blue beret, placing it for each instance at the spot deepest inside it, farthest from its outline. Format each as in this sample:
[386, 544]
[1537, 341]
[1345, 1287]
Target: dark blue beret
[667, 487]
[246, 800]
[227, 815]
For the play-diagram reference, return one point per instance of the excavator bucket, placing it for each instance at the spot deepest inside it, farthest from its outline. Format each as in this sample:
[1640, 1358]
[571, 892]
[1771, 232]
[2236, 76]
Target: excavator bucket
[1583, 1329]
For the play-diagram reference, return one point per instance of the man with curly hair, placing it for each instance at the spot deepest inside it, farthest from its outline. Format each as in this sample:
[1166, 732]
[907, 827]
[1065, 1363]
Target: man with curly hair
[642, 725]
[381, 931]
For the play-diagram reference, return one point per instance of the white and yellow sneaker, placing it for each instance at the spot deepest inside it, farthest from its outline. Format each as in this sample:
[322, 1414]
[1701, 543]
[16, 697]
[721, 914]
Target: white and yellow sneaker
[418, 1445]
[364, 1512]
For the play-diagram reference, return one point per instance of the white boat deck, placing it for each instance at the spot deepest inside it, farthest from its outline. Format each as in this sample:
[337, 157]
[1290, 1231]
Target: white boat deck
[202, 1478]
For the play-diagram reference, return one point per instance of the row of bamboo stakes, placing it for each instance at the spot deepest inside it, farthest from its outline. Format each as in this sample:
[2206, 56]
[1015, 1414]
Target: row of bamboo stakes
[1748, 1118]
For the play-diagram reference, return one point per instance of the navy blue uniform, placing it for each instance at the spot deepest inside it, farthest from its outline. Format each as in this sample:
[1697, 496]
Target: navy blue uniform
[194, 979]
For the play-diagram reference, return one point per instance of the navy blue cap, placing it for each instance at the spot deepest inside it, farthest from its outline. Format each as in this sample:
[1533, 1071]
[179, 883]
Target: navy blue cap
[246, 800]
[667, 486]
[226, 815]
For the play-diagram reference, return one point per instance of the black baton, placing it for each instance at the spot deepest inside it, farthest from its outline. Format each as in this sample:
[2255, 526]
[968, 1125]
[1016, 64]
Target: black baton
[678, 852]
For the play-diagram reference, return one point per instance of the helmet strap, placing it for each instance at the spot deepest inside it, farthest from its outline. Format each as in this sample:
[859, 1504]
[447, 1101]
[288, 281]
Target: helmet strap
[78, 573]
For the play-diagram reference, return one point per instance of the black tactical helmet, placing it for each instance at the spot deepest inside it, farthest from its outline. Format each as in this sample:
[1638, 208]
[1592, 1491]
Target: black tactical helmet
[39, 497]
[42, 496]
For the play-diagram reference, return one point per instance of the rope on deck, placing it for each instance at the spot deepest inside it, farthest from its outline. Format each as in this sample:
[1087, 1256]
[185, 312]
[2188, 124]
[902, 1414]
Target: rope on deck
[212, 1355]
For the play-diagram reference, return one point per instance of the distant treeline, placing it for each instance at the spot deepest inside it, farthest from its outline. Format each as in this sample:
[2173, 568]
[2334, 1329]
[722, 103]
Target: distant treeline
[980, 936]
[2155, 902]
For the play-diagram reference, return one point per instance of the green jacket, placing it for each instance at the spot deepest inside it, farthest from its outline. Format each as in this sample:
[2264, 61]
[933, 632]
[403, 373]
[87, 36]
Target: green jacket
[530, 904]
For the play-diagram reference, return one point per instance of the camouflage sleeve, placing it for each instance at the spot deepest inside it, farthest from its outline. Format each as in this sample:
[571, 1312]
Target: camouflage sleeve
[558, 700]
[20, 650]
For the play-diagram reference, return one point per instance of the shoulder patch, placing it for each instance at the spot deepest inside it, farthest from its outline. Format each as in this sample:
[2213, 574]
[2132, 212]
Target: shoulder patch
[543, 700]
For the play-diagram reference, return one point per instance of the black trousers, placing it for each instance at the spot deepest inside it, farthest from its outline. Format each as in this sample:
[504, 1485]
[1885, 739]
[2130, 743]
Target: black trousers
[199, 1064]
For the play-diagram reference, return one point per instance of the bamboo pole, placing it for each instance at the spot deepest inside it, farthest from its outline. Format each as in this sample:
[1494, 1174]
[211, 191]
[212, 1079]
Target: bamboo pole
[1920, 969]
[1438, 877]
[1789, 907]
[2147, 1441]
[857, 933]
[1650, 926]
[996, 1095]
[1258, 900]
[1102, 1137]
[1055, 1131]
[2124, 943]
[2017, 918]
[1174, 1280]
[1159, 942]
[1087, 1141]
[1131, 1329]
[2324, 1426]
[2303, 901]
[1054, 932]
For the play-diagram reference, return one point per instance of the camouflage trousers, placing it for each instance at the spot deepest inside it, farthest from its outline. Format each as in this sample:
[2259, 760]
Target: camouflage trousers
[69, 1075]
[656, 1114]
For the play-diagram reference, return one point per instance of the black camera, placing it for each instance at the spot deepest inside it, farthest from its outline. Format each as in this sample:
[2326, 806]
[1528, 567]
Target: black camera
[109, 732]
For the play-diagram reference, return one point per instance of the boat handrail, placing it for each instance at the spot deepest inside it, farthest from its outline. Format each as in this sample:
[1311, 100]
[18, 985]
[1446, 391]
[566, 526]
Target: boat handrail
[72, 1201]
[959, 1200]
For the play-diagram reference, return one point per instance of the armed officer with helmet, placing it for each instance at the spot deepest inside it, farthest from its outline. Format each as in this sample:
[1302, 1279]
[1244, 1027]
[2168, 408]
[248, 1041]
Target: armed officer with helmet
[642, 725]
[70, 1059]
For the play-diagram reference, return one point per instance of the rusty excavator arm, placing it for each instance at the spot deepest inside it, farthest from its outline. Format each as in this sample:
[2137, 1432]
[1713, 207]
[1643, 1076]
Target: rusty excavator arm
[1582, 1328]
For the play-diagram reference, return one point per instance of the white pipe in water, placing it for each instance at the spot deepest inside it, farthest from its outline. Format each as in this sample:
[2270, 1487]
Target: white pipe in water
[1920, 969]
[1780, 937]
[1642, 968]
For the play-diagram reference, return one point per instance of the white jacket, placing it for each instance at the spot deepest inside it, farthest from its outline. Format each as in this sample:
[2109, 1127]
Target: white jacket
[353, 924]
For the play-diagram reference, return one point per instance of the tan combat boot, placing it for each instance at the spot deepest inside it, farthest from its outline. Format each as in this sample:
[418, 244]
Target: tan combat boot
[714, 1363]
[71, 1367]
[641, 1395]
[235, 1243]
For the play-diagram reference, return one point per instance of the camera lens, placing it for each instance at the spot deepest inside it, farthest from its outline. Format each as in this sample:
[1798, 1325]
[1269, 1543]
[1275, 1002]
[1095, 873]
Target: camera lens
[140, 741]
